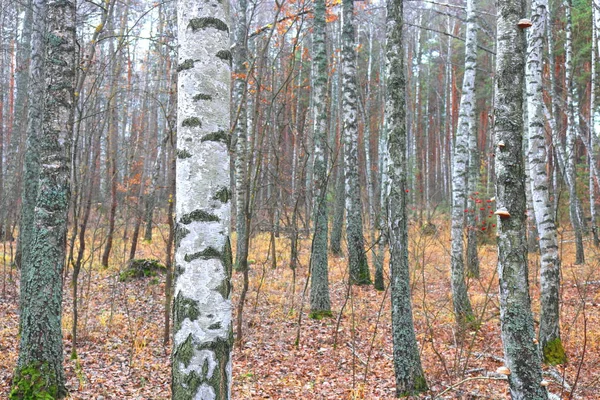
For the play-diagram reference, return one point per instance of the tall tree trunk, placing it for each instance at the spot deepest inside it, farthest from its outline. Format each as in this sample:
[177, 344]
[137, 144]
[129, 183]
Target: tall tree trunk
[112, 147]
[202, 330]
[571, 170]
[240, 134]
[520, 351]
[460, 298]
[337, 226]
[410, 379]
[171, 123]
[320, 305]
[473, 169]
[357, 258]
[594, 119]
[21, 127]
[53, 68]
[549, 334]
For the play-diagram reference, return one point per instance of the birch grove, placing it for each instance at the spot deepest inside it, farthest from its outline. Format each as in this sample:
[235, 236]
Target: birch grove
[192, 191]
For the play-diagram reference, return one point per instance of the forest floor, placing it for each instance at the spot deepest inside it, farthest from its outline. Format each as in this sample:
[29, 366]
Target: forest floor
[121, 352]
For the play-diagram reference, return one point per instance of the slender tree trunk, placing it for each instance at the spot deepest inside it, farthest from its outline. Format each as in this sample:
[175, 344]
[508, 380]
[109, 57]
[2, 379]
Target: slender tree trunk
[473, 168]
[460, 298]
[571, 138]
[549, 334]
[112, 145]
[410, 379]
[594, 119]
[171, 120]
[81, 250]
[339, 208]
[320, 305]
[520, 351]
[240, 134]
[357, 258]
[21, 127]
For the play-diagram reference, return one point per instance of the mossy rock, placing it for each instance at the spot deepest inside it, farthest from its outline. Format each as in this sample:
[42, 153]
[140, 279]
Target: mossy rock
[141, 268]
[321, 314]
[429, 229]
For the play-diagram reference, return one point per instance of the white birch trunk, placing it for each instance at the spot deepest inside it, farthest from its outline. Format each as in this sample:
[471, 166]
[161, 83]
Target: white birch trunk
[549, 334]
[357, 259]
[202, 333]
[462, 306]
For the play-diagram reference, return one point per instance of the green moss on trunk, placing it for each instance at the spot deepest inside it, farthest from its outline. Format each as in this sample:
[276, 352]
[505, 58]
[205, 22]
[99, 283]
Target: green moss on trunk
[554, 353]
[35, 382]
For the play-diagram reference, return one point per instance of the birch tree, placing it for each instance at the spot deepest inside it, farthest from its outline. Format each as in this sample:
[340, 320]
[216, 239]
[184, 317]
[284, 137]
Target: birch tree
[594, 119]
[202, 329]
[357, 258]
[320, 305]
[53, 78]
[549, 334]
[240, 134]
[473, 165]
[460, 298]
[410, 379]
[520, 351]
[570, 167]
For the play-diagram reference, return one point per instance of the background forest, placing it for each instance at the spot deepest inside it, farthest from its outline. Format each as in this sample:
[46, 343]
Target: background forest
[374, 156]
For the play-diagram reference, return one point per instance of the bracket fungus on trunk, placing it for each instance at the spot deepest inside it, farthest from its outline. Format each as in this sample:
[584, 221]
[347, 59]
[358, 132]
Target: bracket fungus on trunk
[502, 212]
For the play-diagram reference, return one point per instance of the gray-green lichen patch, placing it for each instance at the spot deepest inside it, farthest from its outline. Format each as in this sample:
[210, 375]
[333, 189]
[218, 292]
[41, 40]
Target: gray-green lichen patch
[54, 40]
[208, 253]
[183, 154]
[187, 64]
[192, 122]
[223, 195]
[217, 136]
[218, 380]
[180, 233]
[190, 382]
[198, 215]
[184, 308]
[216, 325]
[224, 55]
[179, 270]
[224, 288]
[208, 22]
[227, 259]
[185, 351]
[202, 96]
[201, 371]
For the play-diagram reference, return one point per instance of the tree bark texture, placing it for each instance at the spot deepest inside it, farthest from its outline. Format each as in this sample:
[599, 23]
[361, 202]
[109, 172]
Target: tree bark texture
[520, 351]
[202, 310]
[410, 379]
[572, 126]
[40, 345]
[357, 258]
[549, 333]
[319, 290]
[240, 134]
[460, 298]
